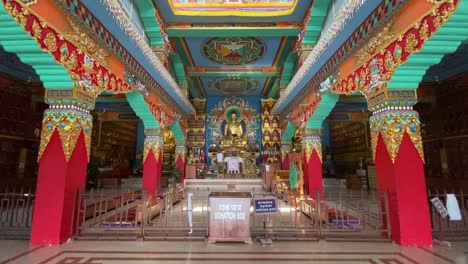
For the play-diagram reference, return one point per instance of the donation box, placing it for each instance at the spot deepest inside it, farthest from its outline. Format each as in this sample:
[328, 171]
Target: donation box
[229, 216]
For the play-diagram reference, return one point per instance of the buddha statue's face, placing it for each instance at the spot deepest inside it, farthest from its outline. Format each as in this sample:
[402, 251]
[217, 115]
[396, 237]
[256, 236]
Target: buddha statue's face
[233, 117]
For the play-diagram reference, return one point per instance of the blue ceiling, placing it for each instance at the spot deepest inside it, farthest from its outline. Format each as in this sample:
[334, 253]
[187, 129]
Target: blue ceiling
[208, 84]
[194, 44]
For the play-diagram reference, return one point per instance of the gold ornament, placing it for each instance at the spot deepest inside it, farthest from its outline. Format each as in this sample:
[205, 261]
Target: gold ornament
[37, 30]
[312, 140]
[154, 143]
[411, 43]
[375, 44]
[424, 31]
[70, 124]
[392, 125]
[86, 44]
[51, 42]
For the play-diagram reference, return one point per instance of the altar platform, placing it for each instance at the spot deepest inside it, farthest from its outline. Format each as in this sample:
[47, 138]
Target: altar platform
[224, 184]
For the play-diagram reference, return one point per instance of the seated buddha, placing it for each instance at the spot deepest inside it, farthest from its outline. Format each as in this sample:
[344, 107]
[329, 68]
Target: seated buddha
[233, 133]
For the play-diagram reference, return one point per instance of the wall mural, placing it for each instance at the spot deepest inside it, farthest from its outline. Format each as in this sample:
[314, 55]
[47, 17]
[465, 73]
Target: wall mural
[220, 112]
[238, 86]
[234, 50]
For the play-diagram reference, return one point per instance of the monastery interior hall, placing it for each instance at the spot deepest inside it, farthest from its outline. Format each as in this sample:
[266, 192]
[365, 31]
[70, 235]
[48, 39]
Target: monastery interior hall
[233, 131]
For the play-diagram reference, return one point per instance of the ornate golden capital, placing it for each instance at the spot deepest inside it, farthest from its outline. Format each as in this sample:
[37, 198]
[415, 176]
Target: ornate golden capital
[392, 100]
[69, 123]
[153, 141]
[312, 140]
[392, 125]
[154, 132]
[181, 150]
[312, 132]
[70, 98]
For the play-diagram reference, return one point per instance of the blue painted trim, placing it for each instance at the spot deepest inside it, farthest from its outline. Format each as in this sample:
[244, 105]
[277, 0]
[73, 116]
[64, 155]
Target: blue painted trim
[351, 25]
[105, 17]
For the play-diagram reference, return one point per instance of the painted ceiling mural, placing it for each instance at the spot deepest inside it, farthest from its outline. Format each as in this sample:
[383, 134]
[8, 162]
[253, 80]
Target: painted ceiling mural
[236, 86]
[250, 62]
[234, 51]
[233, 7]
[244, 58]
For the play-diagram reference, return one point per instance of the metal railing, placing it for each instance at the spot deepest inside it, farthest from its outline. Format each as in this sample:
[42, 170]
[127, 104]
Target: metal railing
[289, 223]
[132, 215]
[444, 228]
[354, 215]
[108, 214]
[16, 210]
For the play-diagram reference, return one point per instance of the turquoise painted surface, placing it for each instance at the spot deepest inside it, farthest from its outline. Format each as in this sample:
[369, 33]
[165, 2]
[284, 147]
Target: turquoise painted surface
[138, 104]
[14, 39]
[316, 21]
[150, 22]
[177, 131]
[326, 105]
[446, 40]
[178, 68]
[289, 132]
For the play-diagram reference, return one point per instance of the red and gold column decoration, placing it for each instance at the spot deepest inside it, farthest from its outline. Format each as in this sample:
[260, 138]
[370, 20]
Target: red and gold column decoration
[392, 125]
[285, 149]
[63, 157]
[152, 160]
[85, 61]
[181, 158]
[399, 161]
[69, 116]
[379, 58]
[312, 149]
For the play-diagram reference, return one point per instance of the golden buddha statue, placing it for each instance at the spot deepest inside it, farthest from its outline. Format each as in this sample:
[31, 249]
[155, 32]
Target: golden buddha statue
[233, 134]
[233, 128]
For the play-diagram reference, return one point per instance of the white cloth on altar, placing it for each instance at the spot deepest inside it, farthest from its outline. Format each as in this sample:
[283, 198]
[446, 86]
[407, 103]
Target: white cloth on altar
[233, 163]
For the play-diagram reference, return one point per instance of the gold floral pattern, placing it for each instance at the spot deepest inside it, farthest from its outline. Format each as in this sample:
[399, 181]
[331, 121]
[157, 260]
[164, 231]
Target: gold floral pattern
[312, 140]
[388, 51]
[181, 150]
[375, 44]
[392, 125]
[85, 43]
[36, 30]
[50, 42]
[153, 141]
[411, 43]
[70, 124]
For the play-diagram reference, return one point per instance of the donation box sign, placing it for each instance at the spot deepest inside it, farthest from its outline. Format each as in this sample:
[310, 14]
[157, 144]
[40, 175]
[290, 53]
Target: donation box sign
[265, 205]
[229, 216]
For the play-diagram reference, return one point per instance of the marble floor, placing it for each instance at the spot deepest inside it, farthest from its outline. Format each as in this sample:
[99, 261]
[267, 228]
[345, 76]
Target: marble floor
[104, 252]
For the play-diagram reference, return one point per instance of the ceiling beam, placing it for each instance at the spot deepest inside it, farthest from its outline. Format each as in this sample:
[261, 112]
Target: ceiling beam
[233, 71]
[229, 32]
